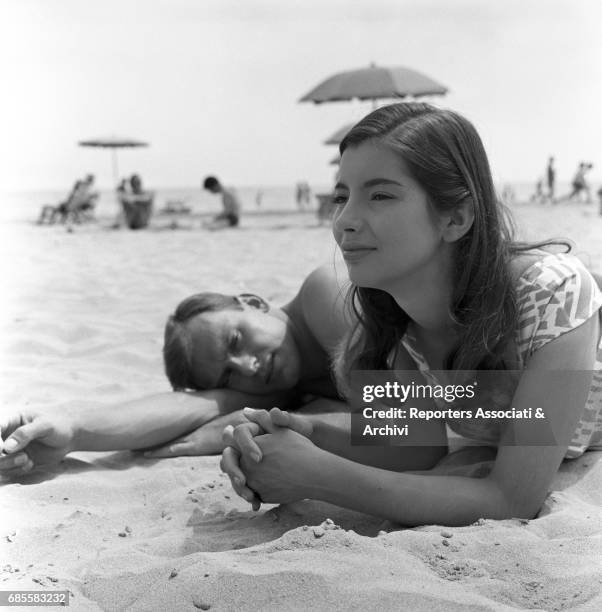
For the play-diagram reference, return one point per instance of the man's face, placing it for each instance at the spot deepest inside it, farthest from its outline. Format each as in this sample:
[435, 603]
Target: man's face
[244, 350]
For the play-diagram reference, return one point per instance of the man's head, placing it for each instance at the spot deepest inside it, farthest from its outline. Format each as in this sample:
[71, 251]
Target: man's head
[212, 184]
[235, 342]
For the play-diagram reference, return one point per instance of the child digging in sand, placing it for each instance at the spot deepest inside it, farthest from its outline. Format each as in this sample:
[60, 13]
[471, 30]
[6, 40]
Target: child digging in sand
[440, 288]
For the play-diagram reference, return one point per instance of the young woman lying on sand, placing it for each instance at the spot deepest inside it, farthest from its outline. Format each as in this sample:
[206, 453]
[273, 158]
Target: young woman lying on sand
[438, 284]
[237, 349]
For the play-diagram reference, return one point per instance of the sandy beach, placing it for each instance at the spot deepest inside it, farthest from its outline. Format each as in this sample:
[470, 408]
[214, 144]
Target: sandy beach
[82, 327]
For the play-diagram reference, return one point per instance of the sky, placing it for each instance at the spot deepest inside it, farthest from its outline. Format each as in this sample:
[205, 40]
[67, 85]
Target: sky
[213, 85]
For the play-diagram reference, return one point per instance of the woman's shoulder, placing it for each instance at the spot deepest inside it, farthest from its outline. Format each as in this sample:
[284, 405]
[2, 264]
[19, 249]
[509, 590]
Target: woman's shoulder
[540, 270]
[555, 294]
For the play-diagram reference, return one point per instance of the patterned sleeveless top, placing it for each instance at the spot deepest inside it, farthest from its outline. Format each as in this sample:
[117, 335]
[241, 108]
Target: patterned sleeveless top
[555, 295]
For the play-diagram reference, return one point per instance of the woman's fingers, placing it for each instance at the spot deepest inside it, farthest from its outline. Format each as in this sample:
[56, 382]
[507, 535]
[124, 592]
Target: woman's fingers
[229, 464]
[244, 440]
[296, 422]
[241, 437]
[261, 417]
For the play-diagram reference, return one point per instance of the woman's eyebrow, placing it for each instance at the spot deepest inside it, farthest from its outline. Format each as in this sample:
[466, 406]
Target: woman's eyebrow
[371, 183]
[381, 181]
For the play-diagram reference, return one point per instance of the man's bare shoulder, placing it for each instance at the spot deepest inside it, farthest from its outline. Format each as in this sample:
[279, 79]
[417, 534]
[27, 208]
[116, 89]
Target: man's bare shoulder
[322, 298]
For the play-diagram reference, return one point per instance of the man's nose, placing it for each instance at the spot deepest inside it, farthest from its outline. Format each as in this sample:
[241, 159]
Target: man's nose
[245, 364]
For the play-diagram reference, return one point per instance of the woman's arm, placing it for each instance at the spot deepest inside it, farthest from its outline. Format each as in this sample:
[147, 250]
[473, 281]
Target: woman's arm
[331, 431]
[293, 468]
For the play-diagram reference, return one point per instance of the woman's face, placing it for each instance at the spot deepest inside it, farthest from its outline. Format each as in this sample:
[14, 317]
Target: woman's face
[244, 350]
[384, 225]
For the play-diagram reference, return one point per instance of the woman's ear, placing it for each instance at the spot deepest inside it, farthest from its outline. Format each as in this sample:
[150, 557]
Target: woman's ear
[457, 222]
[253, 301]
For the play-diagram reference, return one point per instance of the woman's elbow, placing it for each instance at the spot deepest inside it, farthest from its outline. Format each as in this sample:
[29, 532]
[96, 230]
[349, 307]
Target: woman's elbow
[520, 505]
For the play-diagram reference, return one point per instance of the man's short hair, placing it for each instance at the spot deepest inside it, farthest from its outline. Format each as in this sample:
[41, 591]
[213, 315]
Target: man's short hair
[210, 182]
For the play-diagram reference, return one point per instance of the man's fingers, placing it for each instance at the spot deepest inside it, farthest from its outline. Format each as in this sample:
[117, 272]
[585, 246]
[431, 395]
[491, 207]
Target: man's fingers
[12, 466]
[16, 460]
[8, 424]
[179, 449]
[23, 435]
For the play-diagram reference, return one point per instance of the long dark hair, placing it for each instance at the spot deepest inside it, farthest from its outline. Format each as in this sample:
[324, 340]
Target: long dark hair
[445, 155]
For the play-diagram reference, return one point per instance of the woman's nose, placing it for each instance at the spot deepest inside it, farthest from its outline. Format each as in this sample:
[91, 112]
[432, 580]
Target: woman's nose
[346, 218]
[245, 364]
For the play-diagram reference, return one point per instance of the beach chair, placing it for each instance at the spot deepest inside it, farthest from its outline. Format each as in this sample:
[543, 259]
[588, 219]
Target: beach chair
[77, 208]
[137, 209]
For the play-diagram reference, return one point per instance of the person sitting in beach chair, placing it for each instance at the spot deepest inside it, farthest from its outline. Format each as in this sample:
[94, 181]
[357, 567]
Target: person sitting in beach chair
[78, 206]
[136, 203]
[86, 200]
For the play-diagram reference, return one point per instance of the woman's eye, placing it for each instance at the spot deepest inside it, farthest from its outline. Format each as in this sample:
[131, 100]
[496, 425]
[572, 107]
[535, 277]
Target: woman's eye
[380, 196]
[339, 199]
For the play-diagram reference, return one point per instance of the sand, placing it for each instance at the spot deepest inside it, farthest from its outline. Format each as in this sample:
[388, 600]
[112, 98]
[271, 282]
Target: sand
[82, 326]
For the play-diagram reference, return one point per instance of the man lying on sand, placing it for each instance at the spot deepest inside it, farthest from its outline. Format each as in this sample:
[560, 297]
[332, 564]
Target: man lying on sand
[221, 354]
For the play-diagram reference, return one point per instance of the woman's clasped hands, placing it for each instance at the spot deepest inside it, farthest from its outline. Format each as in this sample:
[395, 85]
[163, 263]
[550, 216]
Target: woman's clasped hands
[270, 458]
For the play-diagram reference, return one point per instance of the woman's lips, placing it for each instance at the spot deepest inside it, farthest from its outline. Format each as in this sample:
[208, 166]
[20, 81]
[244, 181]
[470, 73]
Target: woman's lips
[356, 253]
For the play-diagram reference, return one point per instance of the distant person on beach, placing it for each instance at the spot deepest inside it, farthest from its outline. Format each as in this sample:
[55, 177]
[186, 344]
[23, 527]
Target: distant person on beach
[302, 194]
[599, 192]
[538, 196]
[551, 179]
[580, 184]
[136, 203]
[443, 295]
[230, 216]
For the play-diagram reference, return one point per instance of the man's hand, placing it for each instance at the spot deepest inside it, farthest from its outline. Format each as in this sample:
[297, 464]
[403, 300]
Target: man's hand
[206, 440]
[31, 440]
